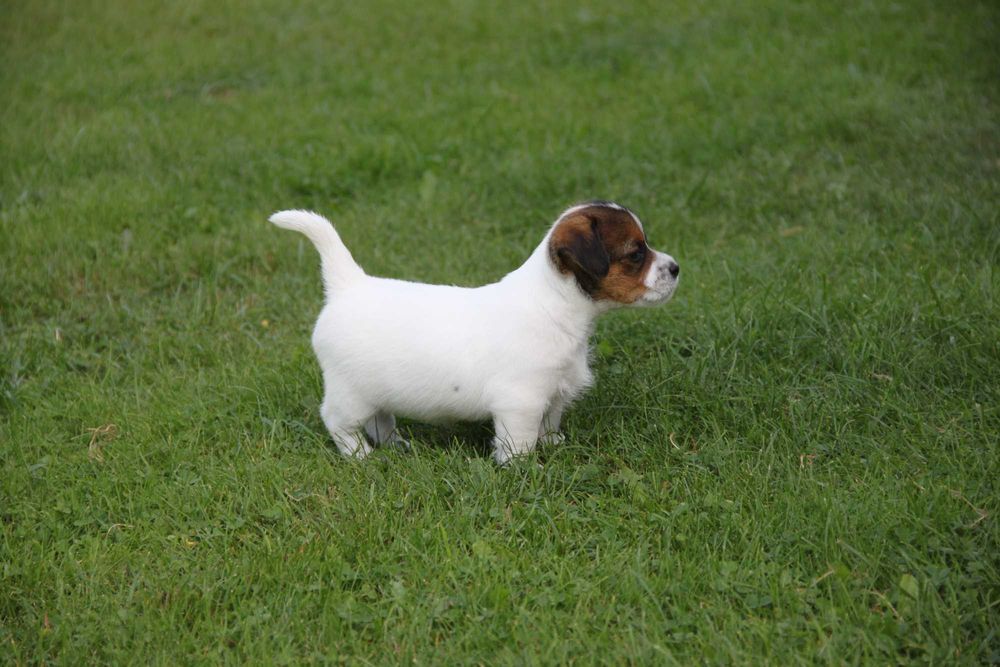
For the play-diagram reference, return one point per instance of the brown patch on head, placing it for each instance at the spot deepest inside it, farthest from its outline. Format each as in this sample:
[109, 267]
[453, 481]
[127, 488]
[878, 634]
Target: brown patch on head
[605, 249]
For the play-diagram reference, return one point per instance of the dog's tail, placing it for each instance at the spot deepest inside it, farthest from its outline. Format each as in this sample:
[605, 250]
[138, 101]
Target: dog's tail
[338, 266]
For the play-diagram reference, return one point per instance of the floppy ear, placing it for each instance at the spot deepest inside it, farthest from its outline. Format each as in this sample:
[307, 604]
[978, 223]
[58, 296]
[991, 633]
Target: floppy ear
[577, 247]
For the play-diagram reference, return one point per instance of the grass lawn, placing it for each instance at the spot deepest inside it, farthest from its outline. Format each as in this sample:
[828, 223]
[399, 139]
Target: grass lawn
[795, 461]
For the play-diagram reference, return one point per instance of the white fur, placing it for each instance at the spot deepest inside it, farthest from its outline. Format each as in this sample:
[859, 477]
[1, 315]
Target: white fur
[514, 351]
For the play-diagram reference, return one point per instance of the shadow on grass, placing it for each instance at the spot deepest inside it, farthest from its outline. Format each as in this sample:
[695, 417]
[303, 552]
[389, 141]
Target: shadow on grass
[469, 437]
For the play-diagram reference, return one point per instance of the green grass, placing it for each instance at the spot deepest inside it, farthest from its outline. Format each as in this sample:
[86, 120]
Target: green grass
[793, 462]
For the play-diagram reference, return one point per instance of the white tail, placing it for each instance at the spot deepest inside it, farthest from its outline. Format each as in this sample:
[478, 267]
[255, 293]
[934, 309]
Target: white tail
[338, 266]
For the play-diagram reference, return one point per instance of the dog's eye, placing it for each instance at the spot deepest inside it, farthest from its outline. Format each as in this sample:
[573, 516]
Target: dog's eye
[638, 256]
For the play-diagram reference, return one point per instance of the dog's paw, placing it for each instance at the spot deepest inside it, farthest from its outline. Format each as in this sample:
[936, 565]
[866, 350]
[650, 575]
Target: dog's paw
[555, 438]
[399, 444]
[357, 450]
[502, 457]
[524, 461]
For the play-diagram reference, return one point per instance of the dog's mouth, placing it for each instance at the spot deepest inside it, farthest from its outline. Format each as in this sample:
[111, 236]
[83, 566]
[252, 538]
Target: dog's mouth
[658, 294]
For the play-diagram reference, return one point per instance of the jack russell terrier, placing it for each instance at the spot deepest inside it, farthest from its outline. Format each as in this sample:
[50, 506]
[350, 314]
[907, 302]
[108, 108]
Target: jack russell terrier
[515, 350]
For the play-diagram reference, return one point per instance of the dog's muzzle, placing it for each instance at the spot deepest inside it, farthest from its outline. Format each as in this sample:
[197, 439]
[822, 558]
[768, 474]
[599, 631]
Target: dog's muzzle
[661, 280]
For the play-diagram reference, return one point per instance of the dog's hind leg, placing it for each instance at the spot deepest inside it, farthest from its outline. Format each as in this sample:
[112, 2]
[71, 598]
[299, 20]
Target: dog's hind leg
[382, 429]
[344, 417]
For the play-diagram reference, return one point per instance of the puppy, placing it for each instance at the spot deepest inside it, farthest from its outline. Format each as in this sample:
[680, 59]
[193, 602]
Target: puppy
[514, 351]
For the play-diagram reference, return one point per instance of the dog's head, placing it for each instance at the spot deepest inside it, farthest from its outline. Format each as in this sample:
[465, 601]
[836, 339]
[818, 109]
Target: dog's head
[604, 247]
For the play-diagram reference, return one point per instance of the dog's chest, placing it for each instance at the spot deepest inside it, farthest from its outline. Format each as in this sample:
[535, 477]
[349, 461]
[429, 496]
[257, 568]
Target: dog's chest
[574, 373]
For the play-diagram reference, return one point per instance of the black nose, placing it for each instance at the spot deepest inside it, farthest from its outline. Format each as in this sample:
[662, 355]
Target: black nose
[673, 269]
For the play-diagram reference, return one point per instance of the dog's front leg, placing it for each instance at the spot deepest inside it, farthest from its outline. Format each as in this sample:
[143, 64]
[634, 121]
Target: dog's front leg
[549, 433]
[577, 379]
[516, 432]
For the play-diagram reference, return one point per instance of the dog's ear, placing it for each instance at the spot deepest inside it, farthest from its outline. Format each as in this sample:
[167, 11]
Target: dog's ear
[576, 247]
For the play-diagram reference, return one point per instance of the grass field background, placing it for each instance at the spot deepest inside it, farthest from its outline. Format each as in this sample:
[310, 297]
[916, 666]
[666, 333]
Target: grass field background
[795, 461]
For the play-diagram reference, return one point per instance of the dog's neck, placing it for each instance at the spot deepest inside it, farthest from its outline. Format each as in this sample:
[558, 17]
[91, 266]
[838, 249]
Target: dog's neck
[558, 294]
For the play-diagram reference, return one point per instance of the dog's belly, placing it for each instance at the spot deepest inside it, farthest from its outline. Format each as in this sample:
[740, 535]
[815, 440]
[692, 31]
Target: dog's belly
[426, 388]
[435, 412]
